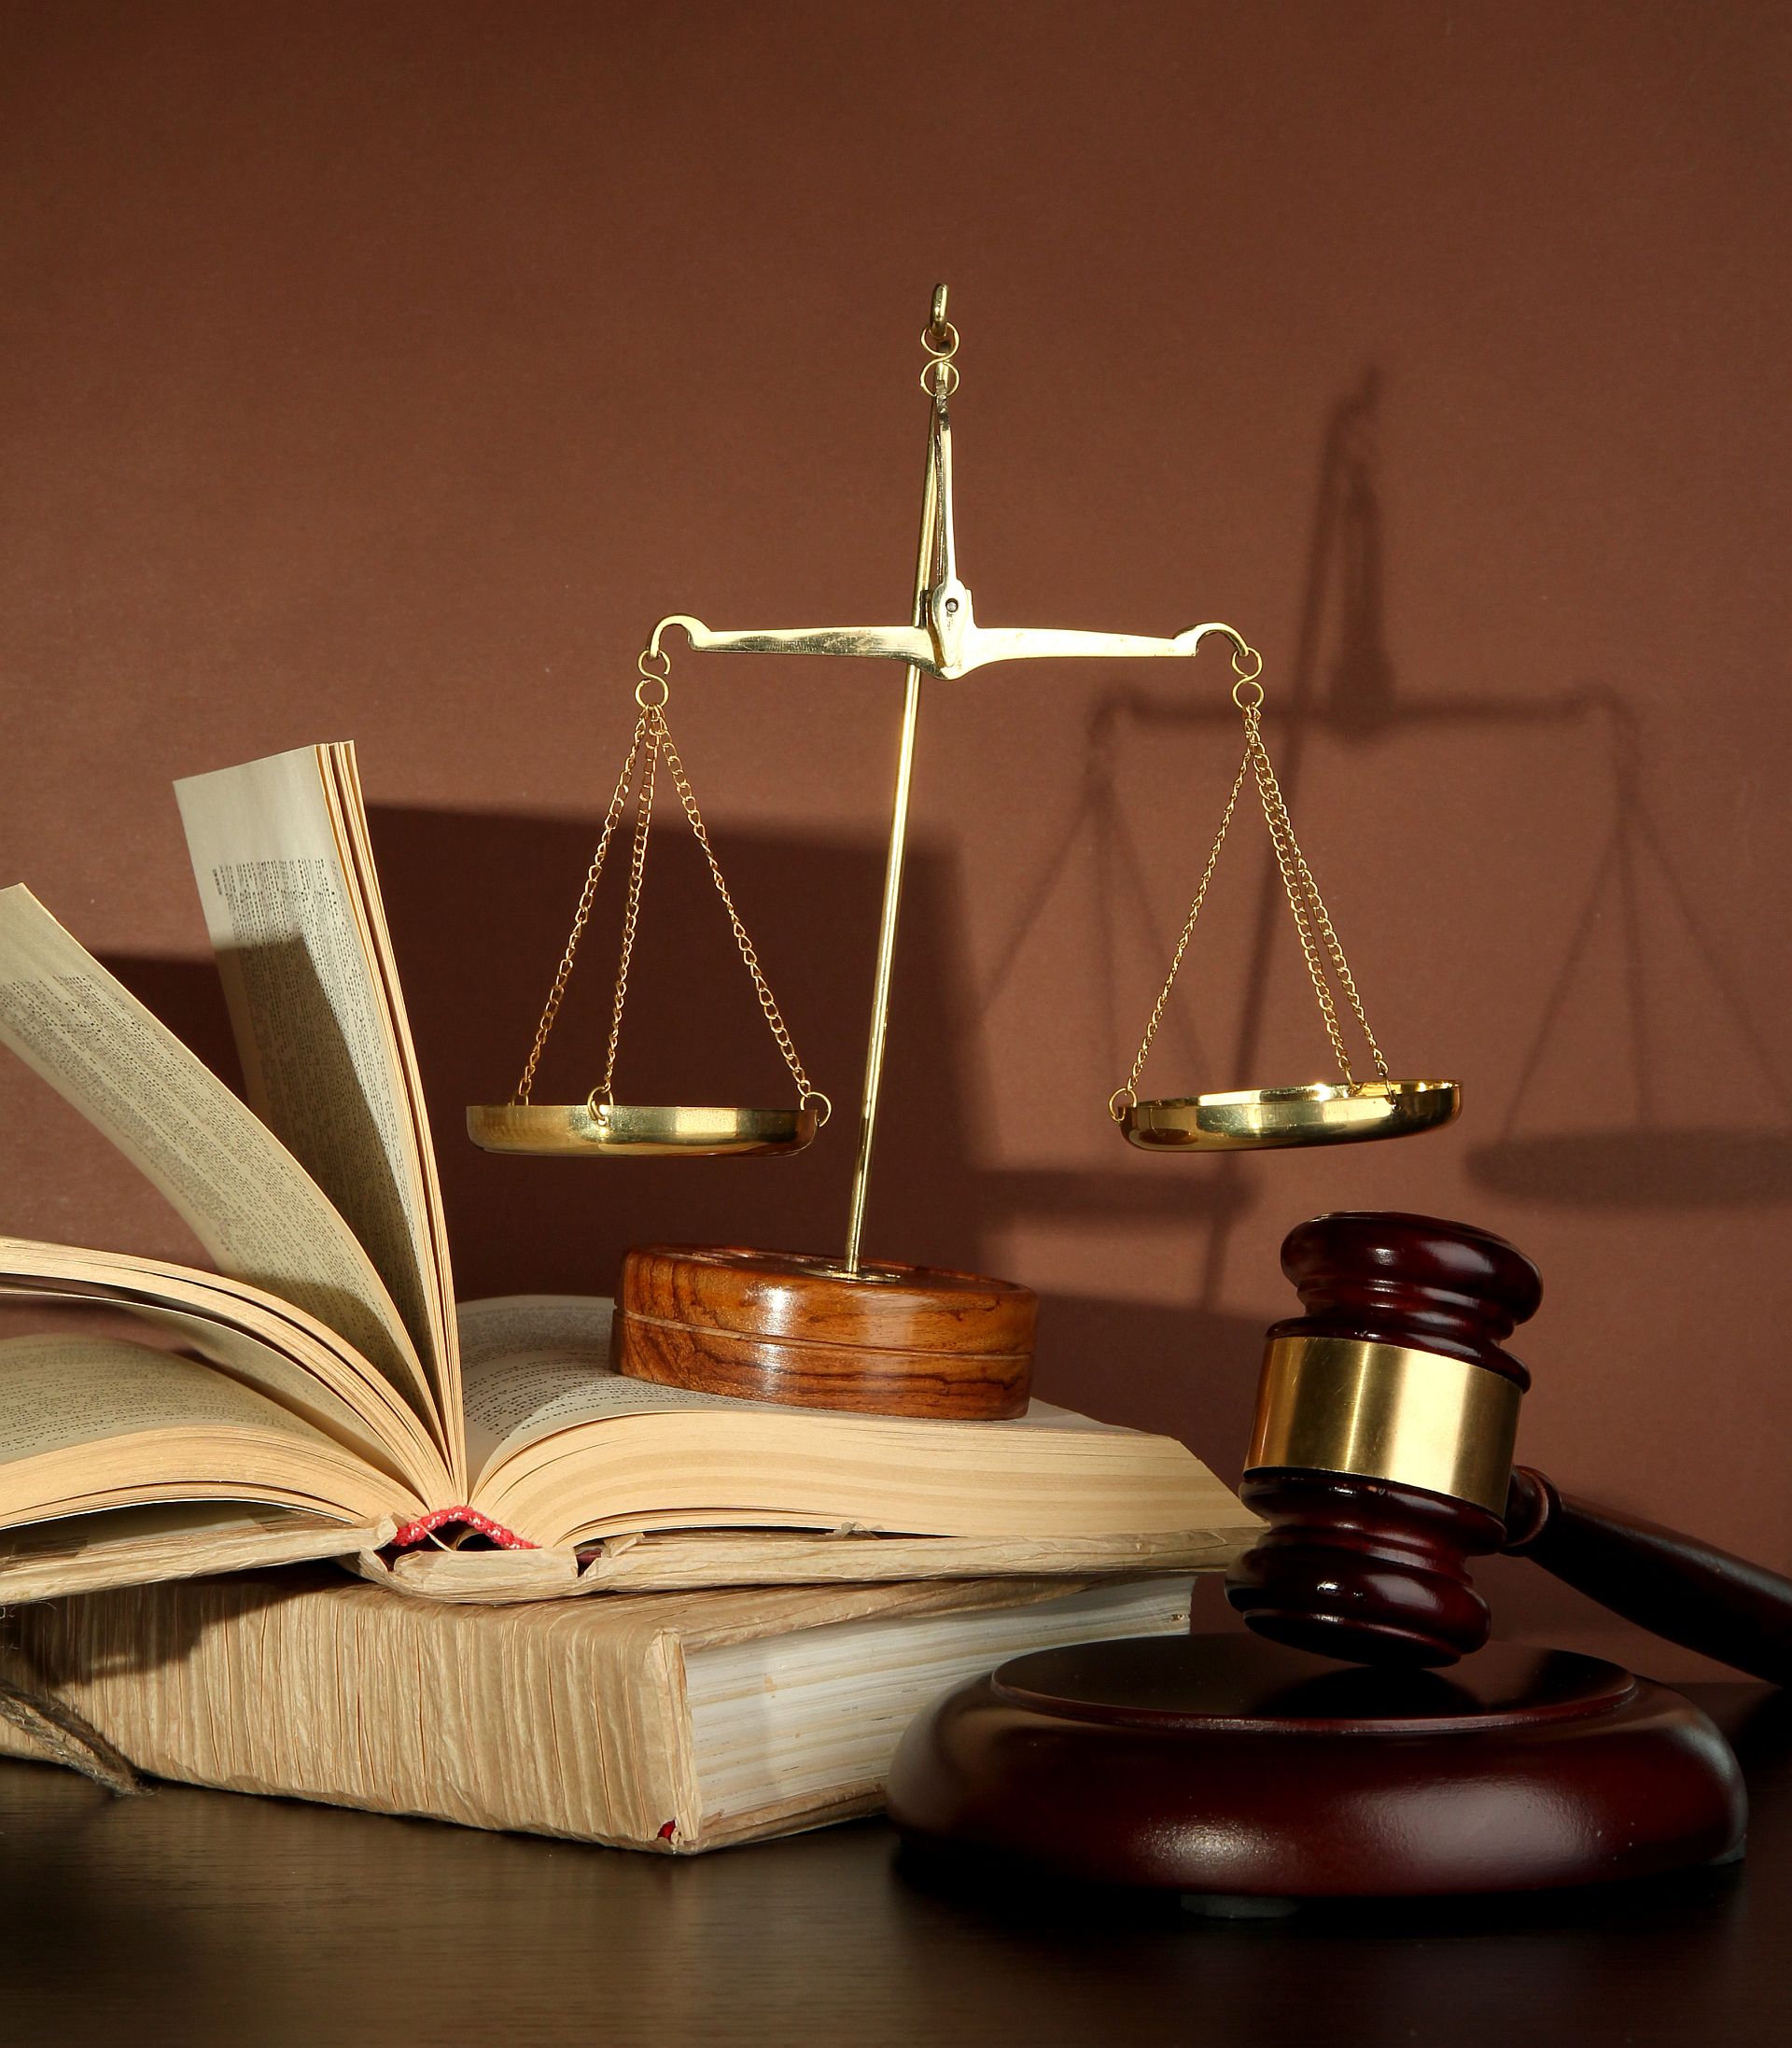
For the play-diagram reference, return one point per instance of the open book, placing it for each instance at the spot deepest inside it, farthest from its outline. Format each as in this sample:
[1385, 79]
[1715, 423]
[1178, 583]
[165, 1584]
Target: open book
[321, 1392]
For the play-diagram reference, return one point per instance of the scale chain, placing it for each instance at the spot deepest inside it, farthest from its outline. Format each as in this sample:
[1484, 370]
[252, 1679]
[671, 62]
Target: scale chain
[582, 917]
[1287, 857]
[1132, 1087]
[1297, 880]
[749, 953]
[656, 738]
[652, 742]
[1304, 901]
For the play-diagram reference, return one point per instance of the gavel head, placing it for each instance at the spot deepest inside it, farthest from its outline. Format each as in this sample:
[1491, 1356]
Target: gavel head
[1386, 1420]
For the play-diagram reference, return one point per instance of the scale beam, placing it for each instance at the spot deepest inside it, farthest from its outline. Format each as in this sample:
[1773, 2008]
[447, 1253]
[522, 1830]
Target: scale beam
[948, 649]
[943, 638]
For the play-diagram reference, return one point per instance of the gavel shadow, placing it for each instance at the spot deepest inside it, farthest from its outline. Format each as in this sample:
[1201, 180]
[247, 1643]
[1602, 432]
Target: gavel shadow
[479, 906]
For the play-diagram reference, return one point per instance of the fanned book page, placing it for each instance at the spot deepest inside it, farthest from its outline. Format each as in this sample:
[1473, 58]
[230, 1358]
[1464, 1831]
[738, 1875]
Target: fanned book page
[281, 855]
[89, 1423]
[251, 1205]
[267, 1343]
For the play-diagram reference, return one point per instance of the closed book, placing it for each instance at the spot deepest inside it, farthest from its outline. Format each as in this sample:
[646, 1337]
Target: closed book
[674, 1723]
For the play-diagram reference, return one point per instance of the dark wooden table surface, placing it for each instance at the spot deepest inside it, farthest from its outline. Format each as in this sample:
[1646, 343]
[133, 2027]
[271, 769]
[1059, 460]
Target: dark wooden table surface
[197, 1917]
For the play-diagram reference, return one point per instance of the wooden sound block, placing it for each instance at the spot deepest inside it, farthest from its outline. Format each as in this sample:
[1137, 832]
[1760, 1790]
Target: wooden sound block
[916, 1340]
[1228, 1766]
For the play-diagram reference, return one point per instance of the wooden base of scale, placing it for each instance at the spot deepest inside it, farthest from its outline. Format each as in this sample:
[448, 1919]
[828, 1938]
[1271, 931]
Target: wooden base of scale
[1247, 1776]
[885, 1339]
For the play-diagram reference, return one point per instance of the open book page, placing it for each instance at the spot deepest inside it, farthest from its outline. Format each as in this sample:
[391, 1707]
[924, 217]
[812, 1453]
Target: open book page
[568, 1451]
[253, 1363]
[533, 1363]
[56, 1392]
[91, 1422]
[350, 811]
[295, 921]
[178, 1539]
[251, 1205]
[269, 1343]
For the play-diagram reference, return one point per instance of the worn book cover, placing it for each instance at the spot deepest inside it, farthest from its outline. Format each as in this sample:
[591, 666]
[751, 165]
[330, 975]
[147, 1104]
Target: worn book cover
[675, 1722]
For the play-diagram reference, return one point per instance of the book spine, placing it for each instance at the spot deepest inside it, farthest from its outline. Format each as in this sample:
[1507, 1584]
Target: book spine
[505, 1719]
[410, 1534]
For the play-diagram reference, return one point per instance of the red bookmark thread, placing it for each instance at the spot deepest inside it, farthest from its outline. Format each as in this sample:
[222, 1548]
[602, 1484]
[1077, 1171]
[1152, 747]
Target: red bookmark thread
[425, 1526]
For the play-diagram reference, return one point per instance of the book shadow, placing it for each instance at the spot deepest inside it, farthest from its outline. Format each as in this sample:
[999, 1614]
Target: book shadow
[233, 1595]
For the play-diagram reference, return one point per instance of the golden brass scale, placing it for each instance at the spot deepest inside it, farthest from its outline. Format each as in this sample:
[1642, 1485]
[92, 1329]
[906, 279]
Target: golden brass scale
[866, 1308]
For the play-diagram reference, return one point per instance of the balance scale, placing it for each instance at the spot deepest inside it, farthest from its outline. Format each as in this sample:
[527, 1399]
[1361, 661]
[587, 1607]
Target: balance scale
[871, 1335]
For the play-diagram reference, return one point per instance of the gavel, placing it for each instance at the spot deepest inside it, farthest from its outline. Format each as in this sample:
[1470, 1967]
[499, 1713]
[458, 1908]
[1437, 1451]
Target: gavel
[1382, 1462]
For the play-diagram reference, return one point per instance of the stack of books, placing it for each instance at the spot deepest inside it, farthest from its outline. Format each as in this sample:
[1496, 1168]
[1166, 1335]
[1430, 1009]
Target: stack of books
[575, 1603]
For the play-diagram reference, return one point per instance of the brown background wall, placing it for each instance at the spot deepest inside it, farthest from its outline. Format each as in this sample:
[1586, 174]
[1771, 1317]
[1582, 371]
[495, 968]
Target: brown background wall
[385, 371]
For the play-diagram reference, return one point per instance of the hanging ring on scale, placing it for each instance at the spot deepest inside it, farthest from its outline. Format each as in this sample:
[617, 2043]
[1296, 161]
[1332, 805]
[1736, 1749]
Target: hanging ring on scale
[600, 1126]
[650, 677]
[1313, 1113]
[940, 337]
[1247, 677]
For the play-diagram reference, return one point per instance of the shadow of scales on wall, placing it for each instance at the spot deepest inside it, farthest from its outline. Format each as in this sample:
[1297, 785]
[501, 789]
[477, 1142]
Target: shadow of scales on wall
[1342, 681]
[1650, 1163]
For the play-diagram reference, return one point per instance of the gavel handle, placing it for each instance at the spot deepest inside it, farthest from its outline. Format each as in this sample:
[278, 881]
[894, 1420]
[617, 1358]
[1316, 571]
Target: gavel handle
[1671, 1584]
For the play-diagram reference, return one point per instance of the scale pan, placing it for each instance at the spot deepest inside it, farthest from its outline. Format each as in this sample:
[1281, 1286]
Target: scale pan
[636, 1131]
[1321, 1113]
